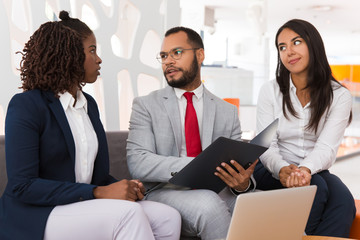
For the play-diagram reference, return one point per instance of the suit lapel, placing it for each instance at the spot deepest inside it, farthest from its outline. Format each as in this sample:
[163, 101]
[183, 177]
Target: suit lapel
[60, 117]
[172, 108]
[208, 119]
[95, 121]
[93, 118]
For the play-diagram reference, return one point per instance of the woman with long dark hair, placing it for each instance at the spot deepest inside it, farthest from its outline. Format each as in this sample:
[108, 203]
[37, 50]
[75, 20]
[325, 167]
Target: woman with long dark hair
[313, 110]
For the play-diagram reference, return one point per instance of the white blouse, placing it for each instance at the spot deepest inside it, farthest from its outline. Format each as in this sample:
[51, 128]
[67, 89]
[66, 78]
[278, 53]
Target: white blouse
[86, 142]
[294, 144]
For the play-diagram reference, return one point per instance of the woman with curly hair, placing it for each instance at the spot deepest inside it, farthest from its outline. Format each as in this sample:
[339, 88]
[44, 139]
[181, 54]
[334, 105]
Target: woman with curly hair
[57, 158]
[313, 110]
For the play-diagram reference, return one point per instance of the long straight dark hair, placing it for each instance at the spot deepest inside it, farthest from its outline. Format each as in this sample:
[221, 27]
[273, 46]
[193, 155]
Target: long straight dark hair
[319, 78]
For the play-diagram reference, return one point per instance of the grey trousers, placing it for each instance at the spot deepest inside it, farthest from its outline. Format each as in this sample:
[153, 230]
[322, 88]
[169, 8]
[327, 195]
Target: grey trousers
[204, 213]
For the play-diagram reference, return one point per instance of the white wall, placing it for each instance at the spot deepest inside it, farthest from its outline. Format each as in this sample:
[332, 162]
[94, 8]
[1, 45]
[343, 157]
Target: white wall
[231, 44]
[229, 83]
[129, 34]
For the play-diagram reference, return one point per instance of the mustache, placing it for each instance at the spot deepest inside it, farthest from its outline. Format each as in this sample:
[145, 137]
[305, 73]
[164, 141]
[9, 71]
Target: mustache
[173, 68]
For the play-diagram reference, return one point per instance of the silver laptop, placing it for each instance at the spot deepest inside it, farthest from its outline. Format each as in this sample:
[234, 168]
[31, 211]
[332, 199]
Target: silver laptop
[273, 215]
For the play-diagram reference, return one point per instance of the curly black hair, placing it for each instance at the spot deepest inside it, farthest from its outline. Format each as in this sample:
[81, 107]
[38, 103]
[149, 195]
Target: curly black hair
[53, 59]
[75, 24]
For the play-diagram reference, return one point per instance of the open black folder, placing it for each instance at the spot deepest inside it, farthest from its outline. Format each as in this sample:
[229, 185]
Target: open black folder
[199, 173]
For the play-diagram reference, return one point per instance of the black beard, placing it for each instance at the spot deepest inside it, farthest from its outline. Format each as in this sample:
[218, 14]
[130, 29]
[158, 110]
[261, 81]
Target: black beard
[188, 76]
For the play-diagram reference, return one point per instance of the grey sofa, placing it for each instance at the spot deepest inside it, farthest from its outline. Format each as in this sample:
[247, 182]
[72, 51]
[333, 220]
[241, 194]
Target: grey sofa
[117, 153]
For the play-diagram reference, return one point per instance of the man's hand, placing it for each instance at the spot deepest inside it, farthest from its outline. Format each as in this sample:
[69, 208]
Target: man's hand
[131, 190]
[236, 180]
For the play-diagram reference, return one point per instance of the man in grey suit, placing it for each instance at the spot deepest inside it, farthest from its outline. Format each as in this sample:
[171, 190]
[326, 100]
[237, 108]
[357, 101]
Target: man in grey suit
[157, 145]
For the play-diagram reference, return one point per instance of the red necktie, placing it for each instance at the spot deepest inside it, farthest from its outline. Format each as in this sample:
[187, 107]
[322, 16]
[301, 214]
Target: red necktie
[192, 134]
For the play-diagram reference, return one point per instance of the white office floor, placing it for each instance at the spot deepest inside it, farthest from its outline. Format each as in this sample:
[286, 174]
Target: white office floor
[348, 170]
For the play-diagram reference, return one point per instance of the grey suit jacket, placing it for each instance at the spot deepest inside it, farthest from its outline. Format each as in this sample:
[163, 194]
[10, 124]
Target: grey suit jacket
[154, 142]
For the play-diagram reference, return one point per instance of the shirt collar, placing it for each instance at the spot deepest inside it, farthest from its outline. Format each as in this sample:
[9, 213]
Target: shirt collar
[293, 89]
[198, 92]
[67, 100]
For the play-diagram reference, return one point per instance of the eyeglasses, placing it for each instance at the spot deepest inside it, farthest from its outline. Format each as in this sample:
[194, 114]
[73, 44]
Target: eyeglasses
[175, 53]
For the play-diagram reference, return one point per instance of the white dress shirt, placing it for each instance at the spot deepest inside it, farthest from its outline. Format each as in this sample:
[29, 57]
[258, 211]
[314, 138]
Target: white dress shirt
[86, 143]
[294, 144]
[198, 102]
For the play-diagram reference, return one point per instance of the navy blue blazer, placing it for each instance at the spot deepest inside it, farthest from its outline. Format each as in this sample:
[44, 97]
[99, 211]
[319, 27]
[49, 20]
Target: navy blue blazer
[40, 161]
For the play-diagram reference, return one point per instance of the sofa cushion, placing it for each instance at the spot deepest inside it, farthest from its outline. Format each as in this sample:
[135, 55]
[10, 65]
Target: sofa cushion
[117, 154]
